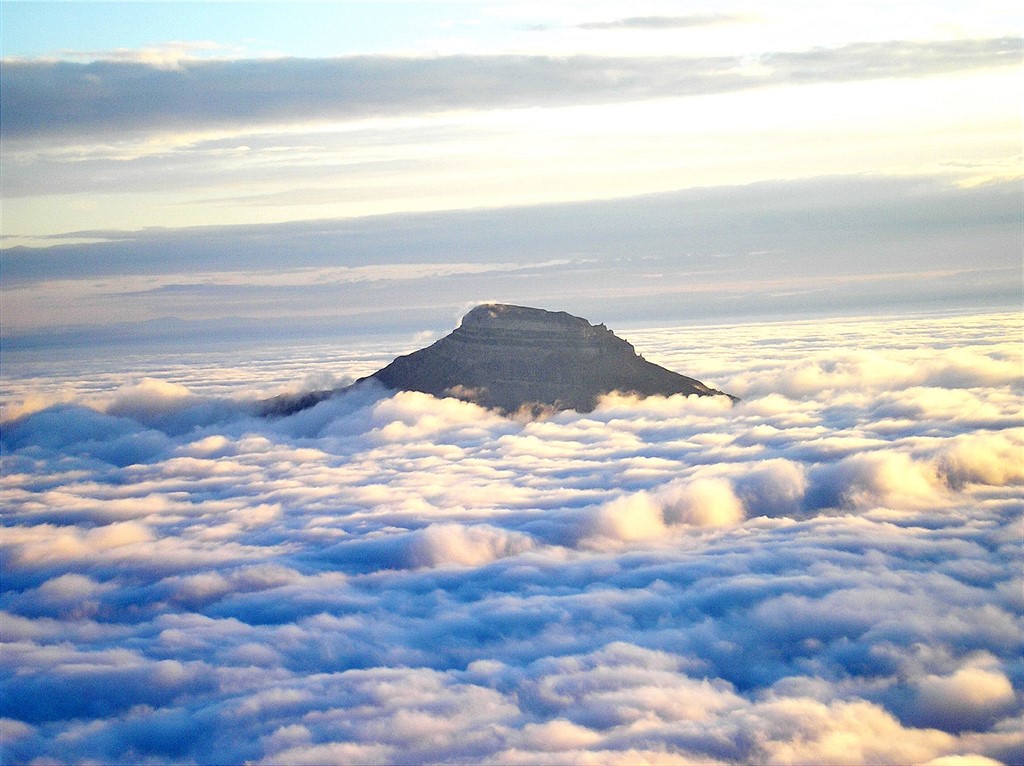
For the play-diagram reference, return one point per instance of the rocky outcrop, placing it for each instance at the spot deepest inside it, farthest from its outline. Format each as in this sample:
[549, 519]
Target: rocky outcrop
[512, 358]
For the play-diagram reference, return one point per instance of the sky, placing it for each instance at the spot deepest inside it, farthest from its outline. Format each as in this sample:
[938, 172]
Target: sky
[148, 149]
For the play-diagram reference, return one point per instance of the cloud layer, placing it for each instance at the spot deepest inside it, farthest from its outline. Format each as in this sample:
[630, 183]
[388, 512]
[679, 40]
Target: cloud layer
[825, 572]
[693, 254]
[47, 97]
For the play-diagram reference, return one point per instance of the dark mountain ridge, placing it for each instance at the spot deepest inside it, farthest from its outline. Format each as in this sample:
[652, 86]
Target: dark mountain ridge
[513, 358]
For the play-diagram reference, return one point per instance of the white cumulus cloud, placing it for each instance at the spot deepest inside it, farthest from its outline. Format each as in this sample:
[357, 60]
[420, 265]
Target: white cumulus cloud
[825, 572]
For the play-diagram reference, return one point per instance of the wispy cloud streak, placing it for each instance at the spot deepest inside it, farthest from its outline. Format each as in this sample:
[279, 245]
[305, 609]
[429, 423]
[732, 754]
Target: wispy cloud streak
[43, 98]
[699, 253]
[664, 22]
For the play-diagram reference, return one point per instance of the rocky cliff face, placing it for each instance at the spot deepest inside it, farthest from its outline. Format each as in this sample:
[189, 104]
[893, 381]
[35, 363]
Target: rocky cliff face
[510, 357]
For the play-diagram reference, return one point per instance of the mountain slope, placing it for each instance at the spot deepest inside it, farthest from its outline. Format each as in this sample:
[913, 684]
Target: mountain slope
[507, 357]
[512, 358]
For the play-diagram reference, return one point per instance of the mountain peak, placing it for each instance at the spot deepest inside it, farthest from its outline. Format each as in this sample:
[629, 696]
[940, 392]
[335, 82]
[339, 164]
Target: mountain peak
[528, 323]
[513, 357]
[517, 358]
[505, 314]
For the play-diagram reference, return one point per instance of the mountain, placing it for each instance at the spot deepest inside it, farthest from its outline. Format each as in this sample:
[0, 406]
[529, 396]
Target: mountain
[512, 357]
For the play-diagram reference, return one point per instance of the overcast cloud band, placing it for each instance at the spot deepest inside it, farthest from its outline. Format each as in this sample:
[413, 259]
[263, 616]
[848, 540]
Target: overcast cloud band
[45, 97]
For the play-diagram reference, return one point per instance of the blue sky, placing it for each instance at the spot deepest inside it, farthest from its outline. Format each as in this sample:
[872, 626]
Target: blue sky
[316, 29]
[293, 29]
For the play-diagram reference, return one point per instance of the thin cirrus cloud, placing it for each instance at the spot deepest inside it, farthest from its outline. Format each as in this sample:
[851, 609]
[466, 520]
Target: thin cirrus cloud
[664, 22]
[43, 98]
[825, 571]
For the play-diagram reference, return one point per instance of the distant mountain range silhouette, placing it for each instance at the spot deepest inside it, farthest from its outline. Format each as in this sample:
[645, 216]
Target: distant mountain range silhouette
[514, 358]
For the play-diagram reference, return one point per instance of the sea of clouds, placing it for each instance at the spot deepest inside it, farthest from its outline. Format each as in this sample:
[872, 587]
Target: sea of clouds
[828, 571]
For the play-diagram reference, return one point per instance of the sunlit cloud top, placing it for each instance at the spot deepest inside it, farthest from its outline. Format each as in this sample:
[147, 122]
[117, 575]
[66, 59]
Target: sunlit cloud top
[825, 572]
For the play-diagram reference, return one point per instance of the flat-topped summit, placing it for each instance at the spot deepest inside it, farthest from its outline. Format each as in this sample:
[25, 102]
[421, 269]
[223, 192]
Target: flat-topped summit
[491, 317]
[521, 326]
[509, 357]
[513, 357]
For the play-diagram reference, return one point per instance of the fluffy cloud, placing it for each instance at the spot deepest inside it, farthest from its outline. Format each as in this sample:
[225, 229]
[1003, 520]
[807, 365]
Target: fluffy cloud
[646, 515]
[825, 572]
[468, 546]
[983, 458]
[970, 698]
[879, 478]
